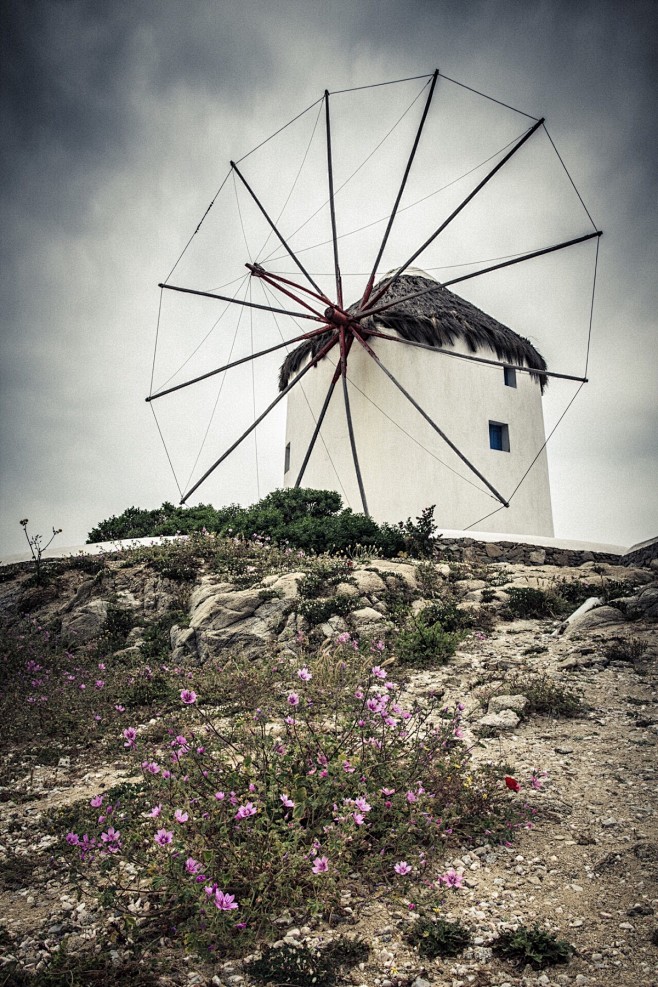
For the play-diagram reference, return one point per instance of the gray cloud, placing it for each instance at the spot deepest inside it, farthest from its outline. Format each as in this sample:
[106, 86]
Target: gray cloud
[118, 121]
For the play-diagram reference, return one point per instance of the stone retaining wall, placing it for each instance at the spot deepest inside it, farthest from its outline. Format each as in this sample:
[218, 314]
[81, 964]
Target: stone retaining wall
[470, 550]
[642, 556]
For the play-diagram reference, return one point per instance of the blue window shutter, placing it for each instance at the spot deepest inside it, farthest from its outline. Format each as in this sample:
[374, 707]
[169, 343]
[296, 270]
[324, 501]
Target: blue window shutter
[495, 436]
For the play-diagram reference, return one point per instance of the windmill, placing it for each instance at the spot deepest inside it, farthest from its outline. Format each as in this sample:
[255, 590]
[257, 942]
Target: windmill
[402, 312]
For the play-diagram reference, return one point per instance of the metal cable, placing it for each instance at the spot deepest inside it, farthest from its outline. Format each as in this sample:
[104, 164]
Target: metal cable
[357, 170]
[570, 178]
[484, 95]
[283, 208]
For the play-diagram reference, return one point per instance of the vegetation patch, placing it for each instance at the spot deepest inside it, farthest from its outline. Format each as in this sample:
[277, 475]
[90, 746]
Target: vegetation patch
[546, 696]
[301, 966]
[335, 779]
[434, 937]
[533, 945]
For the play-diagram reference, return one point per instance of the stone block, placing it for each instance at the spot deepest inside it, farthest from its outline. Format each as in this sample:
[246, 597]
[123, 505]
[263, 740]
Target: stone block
[505, 720]
[497, 704]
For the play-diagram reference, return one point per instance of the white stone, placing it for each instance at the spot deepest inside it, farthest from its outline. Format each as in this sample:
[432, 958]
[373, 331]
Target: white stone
[505, 720]
[497, 704]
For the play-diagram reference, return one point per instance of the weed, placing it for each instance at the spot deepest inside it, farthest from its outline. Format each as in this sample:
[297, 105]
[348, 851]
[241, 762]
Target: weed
[429, 580]
[155, 643]
[630, 650]
[322, 576]
[420, 535]
[320, 610]
[534, 946]
[446, 613]
[422, 645]
[527, 602]
[37, 548]
[300, 965]
[438, 937]
[118, 624]
[545, 696]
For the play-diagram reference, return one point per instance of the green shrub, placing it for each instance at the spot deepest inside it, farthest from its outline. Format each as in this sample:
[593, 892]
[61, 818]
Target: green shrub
[320, 610]
[631, 650]
[311, 520]
[446, 613]
[526, 602]
[301, 966]
[534, 946]
[438, 937]
[421, 644]
[545, 696]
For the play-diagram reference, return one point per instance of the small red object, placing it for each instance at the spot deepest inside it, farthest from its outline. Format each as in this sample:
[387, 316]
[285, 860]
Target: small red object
[512, 783]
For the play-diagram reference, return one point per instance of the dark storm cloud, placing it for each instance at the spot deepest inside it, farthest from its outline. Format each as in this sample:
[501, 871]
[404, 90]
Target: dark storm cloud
[94, 100]
[77, 77]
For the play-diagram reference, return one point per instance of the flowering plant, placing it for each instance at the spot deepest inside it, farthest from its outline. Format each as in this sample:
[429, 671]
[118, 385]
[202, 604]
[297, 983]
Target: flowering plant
[339, 773]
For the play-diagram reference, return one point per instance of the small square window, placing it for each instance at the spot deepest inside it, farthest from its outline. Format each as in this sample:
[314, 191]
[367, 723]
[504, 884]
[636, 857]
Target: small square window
[499, 436]
[510, 377]
[286, 464]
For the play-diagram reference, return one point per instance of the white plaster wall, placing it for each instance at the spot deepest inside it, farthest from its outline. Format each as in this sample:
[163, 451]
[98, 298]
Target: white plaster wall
[400, 476]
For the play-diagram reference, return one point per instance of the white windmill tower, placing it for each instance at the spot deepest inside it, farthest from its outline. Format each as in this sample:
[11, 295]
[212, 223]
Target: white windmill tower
[409, 395]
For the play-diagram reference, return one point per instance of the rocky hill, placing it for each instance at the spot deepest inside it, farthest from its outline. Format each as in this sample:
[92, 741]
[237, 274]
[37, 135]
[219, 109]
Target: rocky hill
[559, 715]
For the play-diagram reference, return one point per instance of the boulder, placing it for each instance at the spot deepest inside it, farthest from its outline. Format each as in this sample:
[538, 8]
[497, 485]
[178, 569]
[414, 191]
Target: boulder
[183, 643]
[505, 720]
[219, 610]
[369, 583]
[285, 586]
[497, 704]
[367, 620]
[598, 619]
[85, 623]
[645, 604]
[250, 630]
[403, 570]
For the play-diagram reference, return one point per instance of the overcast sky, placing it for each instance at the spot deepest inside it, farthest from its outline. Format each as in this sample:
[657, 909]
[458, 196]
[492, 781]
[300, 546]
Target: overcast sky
[119, 120]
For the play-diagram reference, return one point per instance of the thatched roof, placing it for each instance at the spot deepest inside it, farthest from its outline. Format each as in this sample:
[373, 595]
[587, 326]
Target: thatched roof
[438, 318]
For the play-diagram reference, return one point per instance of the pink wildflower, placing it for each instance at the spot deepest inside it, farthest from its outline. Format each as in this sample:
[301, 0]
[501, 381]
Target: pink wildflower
[245, 811]
[344, 638]
[180, 816]
[293, 699]
[220, 796]
[155, 811]
[451, 879]
[358, 818]
[163, 837]
[304, 674]
[412, 797]
[96, 802]
[320, 865]
[188, 696]
[402, 868]
[130, 734]
[362, 804]
[287, 801]
[225, 902]
[378, 672]
[192, 866]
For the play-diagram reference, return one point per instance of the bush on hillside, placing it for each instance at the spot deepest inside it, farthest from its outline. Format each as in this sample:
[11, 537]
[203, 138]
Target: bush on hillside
[312, 520]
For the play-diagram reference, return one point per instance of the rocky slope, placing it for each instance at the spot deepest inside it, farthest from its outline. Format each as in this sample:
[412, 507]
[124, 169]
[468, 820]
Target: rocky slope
[588, 870]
